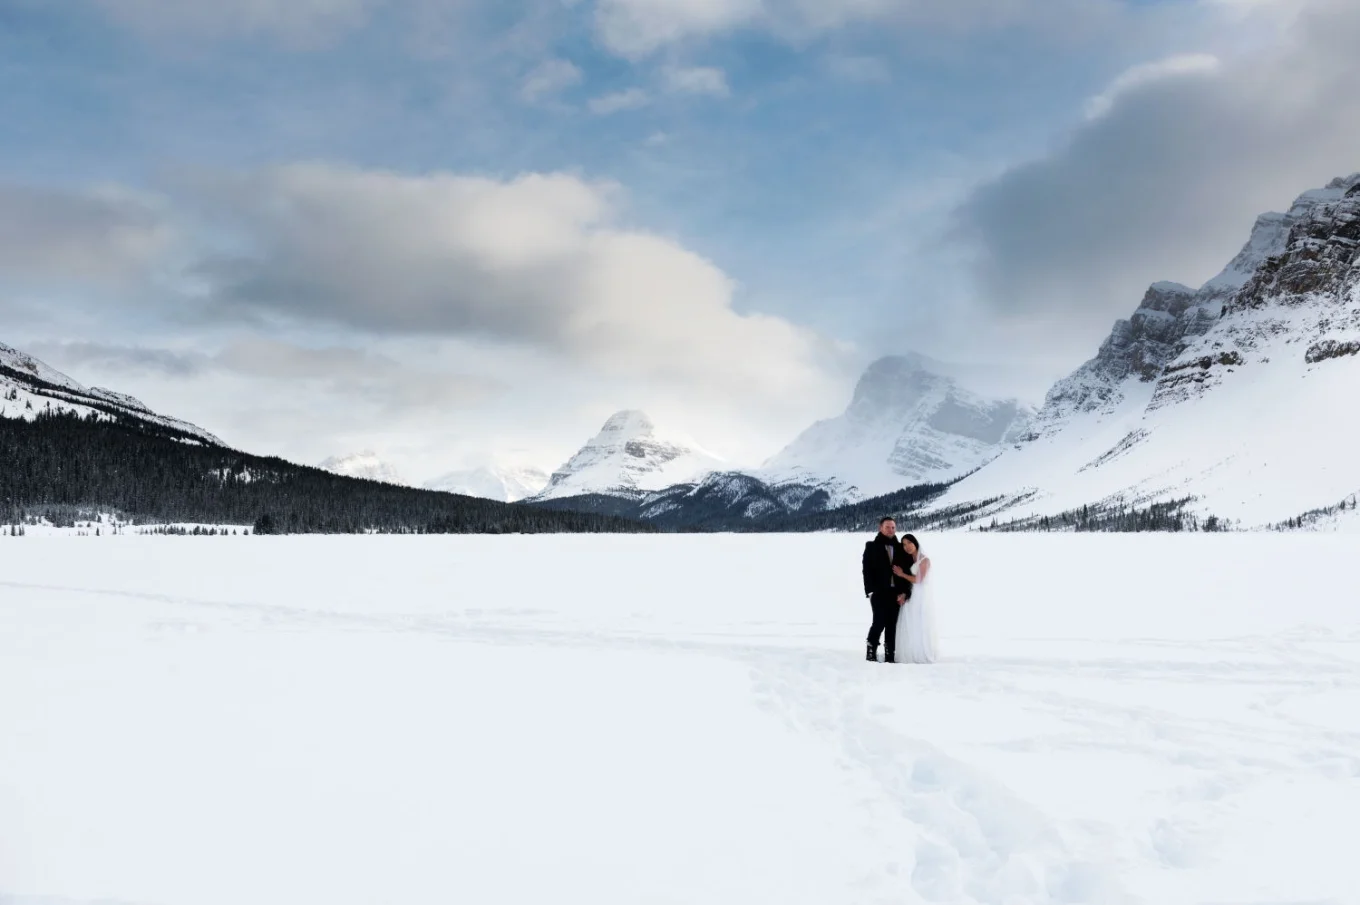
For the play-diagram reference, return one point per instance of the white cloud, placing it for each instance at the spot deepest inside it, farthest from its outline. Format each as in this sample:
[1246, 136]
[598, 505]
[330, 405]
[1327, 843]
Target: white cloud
[638, 28]
[1146, 74]
[549, 78]
[539, 261]
[696, 80]
[618, 101]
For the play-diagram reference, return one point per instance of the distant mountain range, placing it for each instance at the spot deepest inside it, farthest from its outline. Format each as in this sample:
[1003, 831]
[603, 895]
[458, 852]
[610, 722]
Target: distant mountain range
[1227, 405]
[69, 452]
[907, 423]
[366, 465]
[502, 481]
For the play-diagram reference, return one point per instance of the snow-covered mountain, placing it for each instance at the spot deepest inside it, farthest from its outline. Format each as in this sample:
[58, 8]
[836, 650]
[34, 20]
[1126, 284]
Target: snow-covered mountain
[720, 501]
[498, 481]
[906, 424]
[628, 457]
[28, 387]
[367, 465]
[1238, 396]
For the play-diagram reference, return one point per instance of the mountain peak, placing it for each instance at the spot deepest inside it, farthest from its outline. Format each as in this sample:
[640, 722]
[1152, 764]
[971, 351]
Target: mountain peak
[901, 366]
[1268, 236]
[1170, 287]
[909, 421]
[630, 423]
[630, 455]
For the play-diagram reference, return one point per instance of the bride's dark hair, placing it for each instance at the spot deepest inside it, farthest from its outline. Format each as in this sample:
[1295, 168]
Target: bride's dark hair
[914, 542]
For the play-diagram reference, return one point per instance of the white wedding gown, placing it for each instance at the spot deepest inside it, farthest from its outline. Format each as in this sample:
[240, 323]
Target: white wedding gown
[917, 641]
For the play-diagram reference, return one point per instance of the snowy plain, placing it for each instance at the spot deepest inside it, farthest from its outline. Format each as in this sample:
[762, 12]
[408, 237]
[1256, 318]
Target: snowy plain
[1157, 719]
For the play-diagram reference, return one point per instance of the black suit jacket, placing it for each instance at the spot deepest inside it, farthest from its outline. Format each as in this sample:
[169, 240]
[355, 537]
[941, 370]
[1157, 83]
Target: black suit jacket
[878, 573]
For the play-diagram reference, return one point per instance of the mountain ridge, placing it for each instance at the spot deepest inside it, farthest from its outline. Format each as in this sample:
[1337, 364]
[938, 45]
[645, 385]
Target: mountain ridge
[25, 380]
[906, 424]
[1229, 399]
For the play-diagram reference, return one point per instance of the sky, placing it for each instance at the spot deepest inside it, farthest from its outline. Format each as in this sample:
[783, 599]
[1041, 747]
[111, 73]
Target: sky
[466, 231]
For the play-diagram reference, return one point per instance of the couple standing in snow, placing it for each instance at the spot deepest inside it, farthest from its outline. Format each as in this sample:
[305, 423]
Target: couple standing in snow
[896, 581]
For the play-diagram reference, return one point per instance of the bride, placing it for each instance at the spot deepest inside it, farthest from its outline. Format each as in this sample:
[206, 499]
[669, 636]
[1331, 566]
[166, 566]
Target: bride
[916, 636]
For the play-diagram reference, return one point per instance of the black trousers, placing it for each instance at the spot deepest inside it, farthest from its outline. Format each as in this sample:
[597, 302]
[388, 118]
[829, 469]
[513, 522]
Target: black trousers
[885, 619]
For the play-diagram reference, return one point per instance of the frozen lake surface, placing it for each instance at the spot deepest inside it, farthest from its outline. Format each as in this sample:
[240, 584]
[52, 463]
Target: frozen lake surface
[401, 721]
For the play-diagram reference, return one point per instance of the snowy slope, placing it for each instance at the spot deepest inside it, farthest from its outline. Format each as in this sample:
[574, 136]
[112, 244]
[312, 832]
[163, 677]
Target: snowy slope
[28, 386]
[629, 456]
[1240, 395]
[367, 465]
[503, 482]
[698, 729]
[906, 424]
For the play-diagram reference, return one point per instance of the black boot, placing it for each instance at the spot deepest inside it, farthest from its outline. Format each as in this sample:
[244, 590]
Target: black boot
[890, 657]
[871, 652]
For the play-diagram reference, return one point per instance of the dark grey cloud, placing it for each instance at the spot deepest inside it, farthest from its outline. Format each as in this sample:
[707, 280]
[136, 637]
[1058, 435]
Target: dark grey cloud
[356, 374]
[65, 235]
[338, 372]
[1166, 177]
[123, 358]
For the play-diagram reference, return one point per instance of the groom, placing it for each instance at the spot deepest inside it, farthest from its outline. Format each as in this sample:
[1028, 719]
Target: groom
[886, 592]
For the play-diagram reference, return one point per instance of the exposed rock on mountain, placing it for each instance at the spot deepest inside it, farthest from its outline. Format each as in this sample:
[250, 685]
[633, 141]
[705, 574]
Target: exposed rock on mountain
[1304, 293]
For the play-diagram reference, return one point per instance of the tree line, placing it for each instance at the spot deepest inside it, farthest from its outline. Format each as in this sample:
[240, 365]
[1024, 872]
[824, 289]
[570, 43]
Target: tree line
[153, 475]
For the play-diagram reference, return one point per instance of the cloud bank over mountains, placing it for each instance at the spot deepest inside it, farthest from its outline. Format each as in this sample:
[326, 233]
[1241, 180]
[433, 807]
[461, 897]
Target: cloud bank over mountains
[455, 221]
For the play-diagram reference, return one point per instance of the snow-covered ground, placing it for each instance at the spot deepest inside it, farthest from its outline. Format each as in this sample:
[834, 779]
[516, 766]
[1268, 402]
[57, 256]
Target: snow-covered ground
[277, 721]
[110, 526]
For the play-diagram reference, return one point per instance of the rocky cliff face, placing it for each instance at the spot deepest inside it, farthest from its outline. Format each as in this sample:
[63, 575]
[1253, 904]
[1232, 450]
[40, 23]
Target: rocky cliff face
[1304, 293]
[906, 424]
[1170, 318]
